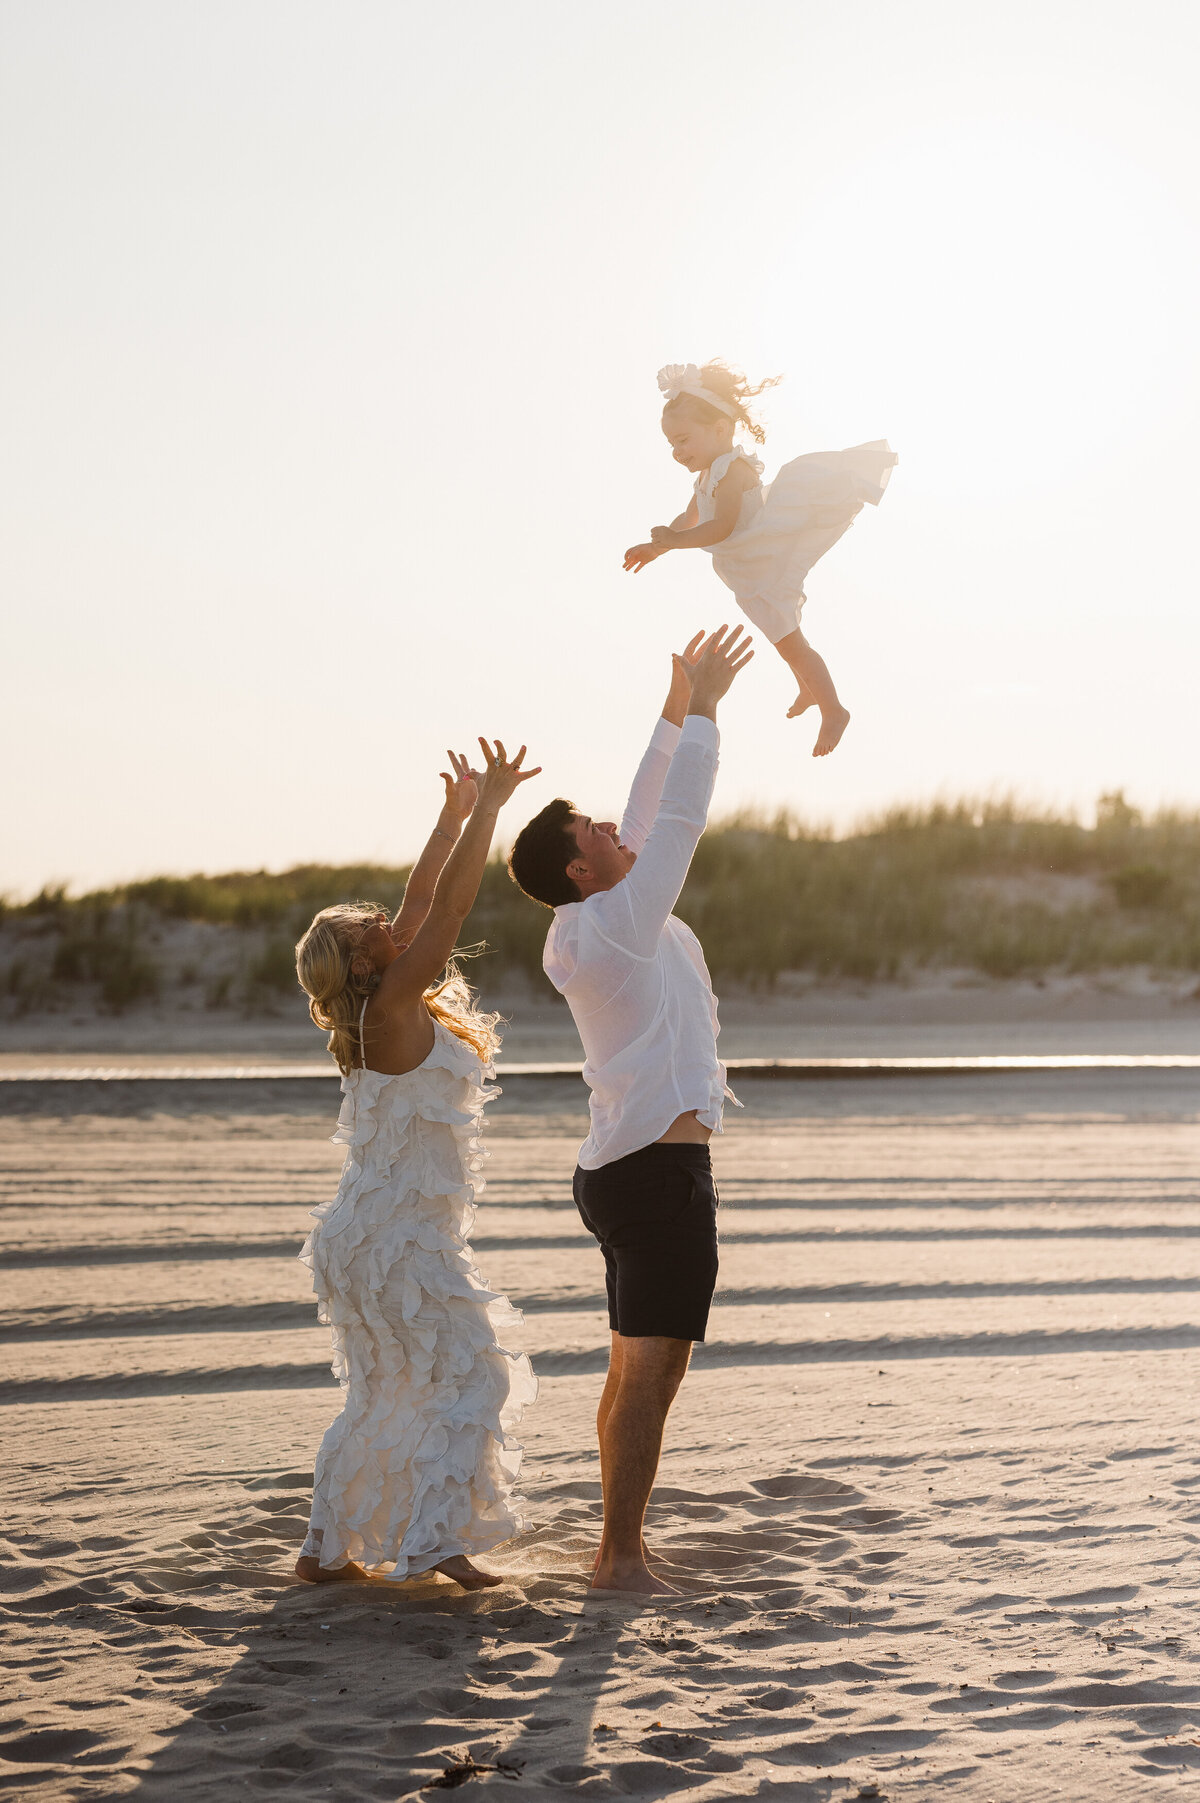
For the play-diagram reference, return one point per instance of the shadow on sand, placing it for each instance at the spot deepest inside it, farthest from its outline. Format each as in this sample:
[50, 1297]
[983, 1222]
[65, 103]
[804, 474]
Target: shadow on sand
[382, 1691]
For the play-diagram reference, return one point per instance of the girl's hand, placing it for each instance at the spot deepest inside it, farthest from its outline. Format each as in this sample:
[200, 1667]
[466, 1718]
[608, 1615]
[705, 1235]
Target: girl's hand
[663, 537]
[638, 556]
[462, 789]
[501, 777]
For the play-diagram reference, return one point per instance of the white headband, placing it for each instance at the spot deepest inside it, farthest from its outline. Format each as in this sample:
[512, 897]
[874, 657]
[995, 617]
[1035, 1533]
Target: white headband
[684, 378]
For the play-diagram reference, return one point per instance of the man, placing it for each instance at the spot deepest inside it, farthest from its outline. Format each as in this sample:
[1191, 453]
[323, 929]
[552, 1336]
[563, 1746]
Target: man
[637, 985]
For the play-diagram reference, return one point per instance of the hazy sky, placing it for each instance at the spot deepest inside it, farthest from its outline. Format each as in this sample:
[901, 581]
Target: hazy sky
[330, 340]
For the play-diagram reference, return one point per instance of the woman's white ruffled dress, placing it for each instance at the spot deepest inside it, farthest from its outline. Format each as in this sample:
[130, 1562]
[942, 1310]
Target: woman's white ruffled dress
[784, 528]
[420, 1464]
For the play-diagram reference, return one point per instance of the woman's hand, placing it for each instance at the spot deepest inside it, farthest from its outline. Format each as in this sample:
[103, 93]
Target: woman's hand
[462, 788]
[638, 556]
[501, 777]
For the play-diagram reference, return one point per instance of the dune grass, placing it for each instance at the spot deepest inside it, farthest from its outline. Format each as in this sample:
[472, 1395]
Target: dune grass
[993, 887]
[996, 887]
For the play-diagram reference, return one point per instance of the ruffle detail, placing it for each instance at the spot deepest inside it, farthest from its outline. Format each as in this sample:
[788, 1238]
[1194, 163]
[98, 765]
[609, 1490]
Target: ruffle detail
[721, 466]
[373, 1098]
[838, 480]
[420, 1464]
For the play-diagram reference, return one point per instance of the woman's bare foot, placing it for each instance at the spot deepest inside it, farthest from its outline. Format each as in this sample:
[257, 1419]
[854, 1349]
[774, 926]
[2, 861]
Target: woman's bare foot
[834, 721]
[313, 1572]
[470, 1576]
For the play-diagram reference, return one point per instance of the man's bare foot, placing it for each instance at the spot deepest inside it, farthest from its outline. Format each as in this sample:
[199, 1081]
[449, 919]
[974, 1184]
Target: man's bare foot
[313, 1572]
[647, 1555]
[833, 724]
[470, 1576]
[631, 1576]
[801, 704]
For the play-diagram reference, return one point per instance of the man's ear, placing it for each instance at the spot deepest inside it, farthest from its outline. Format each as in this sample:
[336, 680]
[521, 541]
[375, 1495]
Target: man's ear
[577, 870]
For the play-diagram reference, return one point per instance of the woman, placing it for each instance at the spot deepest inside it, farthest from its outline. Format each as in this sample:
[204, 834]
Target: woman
[417, 1472]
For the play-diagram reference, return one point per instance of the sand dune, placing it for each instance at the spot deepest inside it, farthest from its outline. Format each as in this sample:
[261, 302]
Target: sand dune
[931, 1492]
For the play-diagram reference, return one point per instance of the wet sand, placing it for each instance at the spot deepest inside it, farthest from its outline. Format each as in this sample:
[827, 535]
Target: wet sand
[931, 1486]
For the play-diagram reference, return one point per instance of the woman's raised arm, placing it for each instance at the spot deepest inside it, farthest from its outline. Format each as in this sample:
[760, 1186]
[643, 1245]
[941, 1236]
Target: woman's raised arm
[462, 791]
[458, 884]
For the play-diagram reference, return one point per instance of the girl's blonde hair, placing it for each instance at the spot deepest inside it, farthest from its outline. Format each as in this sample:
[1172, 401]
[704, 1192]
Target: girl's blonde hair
[733, 388]
[325, 967]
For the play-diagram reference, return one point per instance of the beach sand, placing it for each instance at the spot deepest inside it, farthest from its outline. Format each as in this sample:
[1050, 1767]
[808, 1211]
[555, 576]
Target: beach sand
[932, 1487]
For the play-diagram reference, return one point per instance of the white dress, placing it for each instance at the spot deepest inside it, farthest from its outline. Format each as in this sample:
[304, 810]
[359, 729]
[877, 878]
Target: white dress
[784, 528]
[420, 1464]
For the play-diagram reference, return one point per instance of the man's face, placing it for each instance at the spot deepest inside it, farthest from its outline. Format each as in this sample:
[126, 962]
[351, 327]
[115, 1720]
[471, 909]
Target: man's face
[602, 860]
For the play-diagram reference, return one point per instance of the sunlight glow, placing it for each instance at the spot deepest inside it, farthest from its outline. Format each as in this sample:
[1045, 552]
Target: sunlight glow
[334, 407]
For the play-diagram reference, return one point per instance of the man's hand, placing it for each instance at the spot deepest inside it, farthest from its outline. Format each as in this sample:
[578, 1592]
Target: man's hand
[683, 663]
[714, 668]
[638, 556]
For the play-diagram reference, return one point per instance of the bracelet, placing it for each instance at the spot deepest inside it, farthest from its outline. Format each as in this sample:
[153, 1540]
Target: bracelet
[447, 836]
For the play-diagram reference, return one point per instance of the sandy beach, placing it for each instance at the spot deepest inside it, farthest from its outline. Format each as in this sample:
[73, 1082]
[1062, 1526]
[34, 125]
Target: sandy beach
[773, 430]
[930, 1487]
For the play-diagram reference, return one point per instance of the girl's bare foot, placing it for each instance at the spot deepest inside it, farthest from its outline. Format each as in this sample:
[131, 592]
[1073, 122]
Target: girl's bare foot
[801, 704]
[834, 721]
[471, 1577]
[313, 1572]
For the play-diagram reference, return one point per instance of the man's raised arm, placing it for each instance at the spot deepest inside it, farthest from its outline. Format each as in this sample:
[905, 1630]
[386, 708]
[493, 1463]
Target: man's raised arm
[635, 911]
[646, 792]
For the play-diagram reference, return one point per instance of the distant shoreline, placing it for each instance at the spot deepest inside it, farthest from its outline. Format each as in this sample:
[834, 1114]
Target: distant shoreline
[944, 1014]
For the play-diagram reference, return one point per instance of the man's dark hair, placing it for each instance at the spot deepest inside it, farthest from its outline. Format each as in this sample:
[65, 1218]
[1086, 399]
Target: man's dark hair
[541, 852]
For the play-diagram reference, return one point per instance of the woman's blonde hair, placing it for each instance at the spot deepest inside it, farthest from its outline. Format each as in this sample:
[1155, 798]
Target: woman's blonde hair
[336, 993]
[733, 388]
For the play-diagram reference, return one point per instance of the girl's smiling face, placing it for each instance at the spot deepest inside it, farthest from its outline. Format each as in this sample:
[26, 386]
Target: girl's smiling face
[694, 442]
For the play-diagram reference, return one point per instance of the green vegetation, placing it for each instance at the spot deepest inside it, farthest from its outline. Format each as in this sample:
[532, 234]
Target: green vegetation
[87, 942]
[103, 946]
[994, 887]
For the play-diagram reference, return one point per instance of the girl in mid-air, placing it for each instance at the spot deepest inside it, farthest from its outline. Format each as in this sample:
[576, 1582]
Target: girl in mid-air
[763, 540]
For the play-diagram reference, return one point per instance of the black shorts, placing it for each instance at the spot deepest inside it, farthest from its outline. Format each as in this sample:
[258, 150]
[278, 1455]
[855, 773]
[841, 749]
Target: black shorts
[655, 1216]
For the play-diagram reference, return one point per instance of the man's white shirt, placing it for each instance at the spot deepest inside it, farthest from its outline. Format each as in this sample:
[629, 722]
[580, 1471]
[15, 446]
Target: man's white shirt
[633, 975]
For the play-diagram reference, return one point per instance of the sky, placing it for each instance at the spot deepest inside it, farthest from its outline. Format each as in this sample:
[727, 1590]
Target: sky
[330, 333]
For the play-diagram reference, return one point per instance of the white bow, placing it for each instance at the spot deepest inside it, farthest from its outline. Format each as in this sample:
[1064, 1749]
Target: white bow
[685, 378]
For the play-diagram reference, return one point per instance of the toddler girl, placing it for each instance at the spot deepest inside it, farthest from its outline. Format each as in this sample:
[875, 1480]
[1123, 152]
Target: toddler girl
[763, 540]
